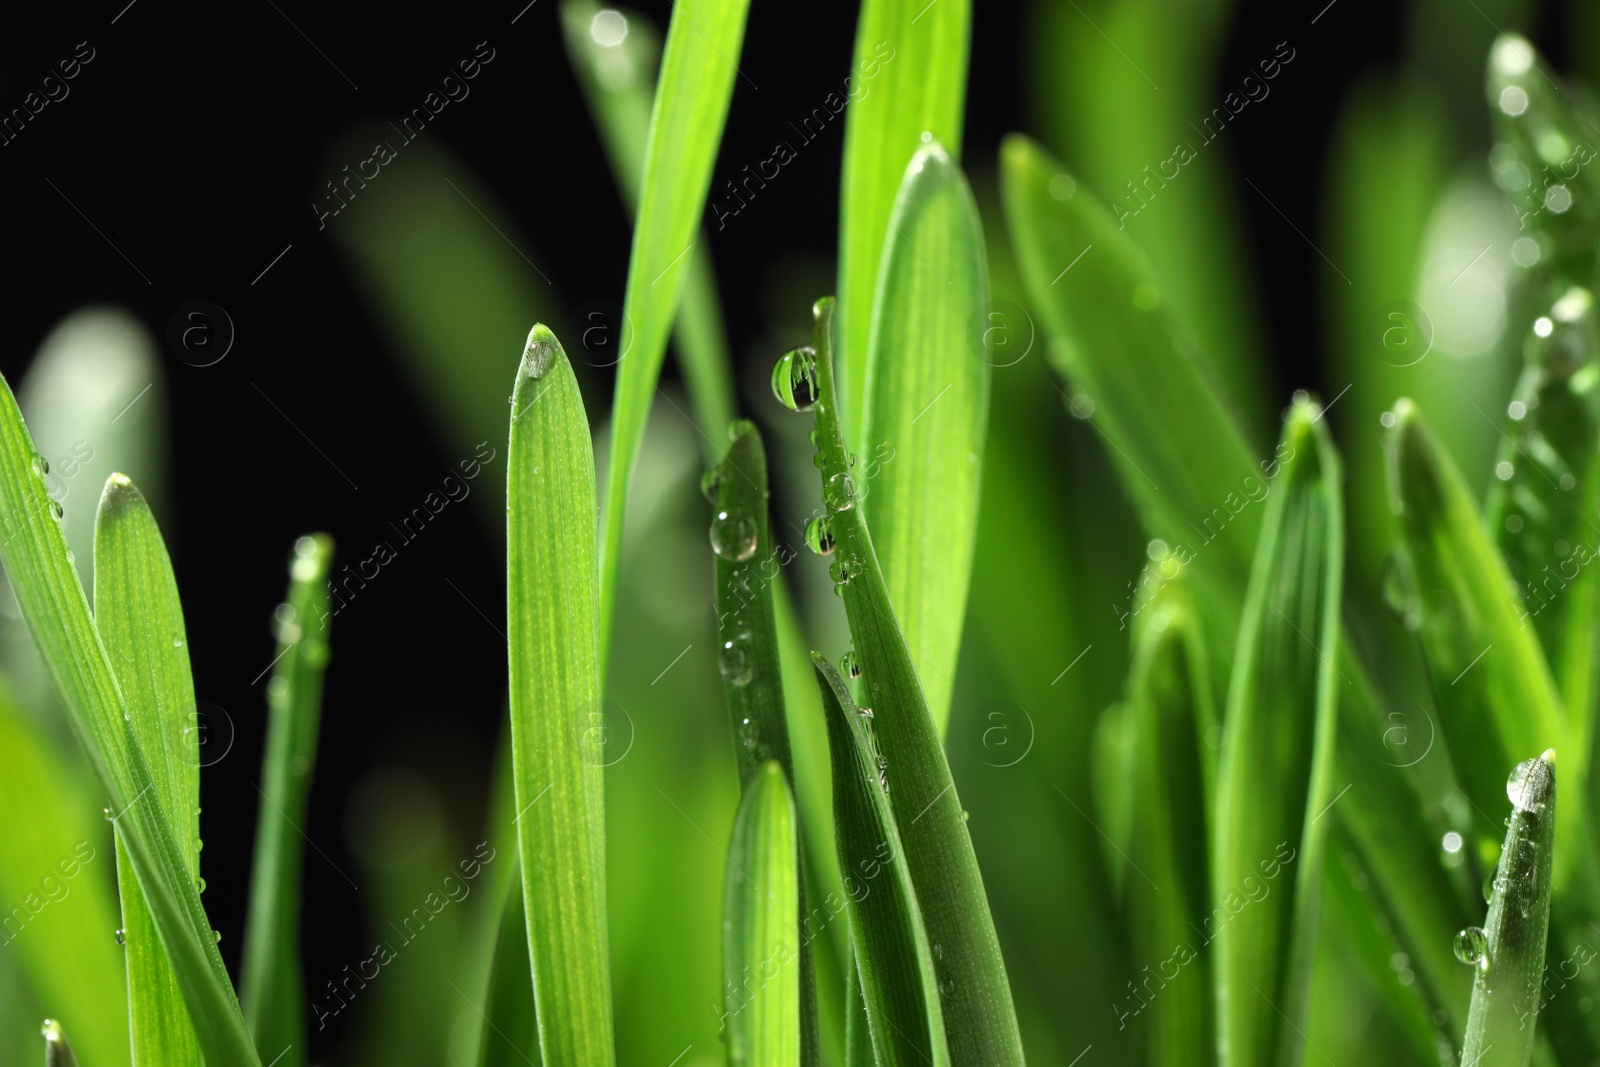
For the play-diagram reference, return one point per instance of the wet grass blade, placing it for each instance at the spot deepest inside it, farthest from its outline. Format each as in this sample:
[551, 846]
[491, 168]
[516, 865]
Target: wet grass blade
[895, 971]
[140, 620]
[760, 907]
[1508, 954]
[57, 1050]
[618, 82]
[510, 1036]
[892, 103]
[1494, 691]
[980, 1020]
[1168, 846]
[698, 69]
[927, 411]
[1277, 755]
[272, 983]
[552, 605]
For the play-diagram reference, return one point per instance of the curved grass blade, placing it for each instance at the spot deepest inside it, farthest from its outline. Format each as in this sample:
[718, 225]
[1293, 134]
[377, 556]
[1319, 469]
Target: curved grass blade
[760, 908]
[980, 1019]
[1472, 630]
[61, 897]
[616, 80]
[898, 986]
[1169, 839]
[857, 1032]
[140, 619]
[927, 412]
[510, 1035]
[898, 44]
[1272, 786]
[57, 1049]
[1111, 779]
[555, 685]
[273, 984]
[1508, 955]
[686, 121]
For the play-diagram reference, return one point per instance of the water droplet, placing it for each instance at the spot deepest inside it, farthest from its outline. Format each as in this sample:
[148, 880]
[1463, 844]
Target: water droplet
[1472, 947]
[41, 466]
[734, 535]
[794, 378]
[965, 815]
[107, 813]
[1399, 592]
[200, 885]
[734, 664]
[710, 482]
[217, 934]
[537, 356]
[72, 558]
[122, 937]
[177, 642]
[57, 510]
[819, 535]
[842, 571]
[839, 492]
[850, 667]
[1531, 783]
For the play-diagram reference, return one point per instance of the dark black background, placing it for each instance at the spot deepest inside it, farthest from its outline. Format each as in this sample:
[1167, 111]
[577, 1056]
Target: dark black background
[195, 140]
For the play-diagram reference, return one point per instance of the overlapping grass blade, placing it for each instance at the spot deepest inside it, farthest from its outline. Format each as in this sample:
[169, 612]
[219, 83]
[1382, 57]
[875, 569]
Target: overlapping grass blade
[698, 69]
[57, 1050]
[57, 876]
[980, 1020]
[1164, 426]
[927, 392]
[896, 981]
[510, 1034]
[36, 560]
[893, 102]
[140, 619]
[760, 906]
[1167, 893]
[857, 1032]
[1508, 954]
[552, 605]
[273, 985]
[1273, 783]
[617, 80]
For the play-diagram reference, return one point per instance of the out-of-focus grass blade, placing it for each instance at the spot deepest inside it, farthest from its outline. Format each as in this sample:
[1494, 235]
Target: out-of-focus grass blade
[980, 1020]
[1471, 627]
[747, 565]
[510, 1027]
[698, 69]
[273, 985]
[446, 287]
[760, 906]
[1168, 842]
[1508, 954]
[615, 56]
[898, 984]
[1134, 365]
[140, 619]
[57, 1050]
[927, 410]
[1272, 786]
[555, 677]
[898, 42]
[55, 874]
[1111, 778]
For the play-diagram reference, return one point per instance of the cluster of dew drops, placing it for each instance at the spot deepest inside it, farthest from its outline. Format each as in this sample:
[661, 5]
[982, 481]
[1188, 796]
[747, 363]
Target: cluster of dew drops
[735, 535]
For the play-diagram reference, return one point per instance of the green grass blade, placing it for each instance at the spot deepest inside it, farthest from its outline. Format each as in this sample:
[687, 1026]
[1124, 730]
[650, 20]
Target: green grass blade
[690, 108]
[273, 984]
[1509, 960]
[1170, 834]
[980, 1020]
[1273, 781]
[893, 101]
[617, 80]
[927, 412]
[140, 619]
[555, 677]
[57, 1050]
[857, 1031]
[760, 907]
[898, 986]
[57, 877]
[1472, 631]
[510, 1035]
